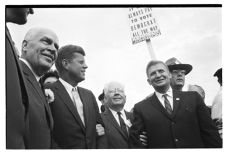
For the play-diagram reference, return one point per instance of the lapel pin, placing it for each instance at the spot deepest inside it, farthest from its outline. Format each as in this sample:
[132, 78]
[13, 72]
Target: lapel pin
[177, 98]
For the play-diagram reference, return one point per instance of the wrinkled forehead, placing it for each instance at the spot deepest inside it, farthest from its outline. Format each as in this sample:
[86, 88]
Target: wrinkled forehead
[38, 33]
[158, 66]
[114, 85]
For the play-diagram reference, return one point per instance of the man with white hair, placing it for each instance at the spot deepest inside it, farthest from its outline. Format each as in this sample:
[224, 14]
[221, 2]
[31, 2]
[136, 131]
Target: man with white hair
[39, 52]
[117, 121]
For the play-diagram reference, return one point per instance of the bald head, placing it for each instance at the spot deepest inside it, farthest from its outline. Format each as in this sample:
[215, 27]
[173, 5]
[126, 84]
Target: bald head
[37, 31]
[39, 49]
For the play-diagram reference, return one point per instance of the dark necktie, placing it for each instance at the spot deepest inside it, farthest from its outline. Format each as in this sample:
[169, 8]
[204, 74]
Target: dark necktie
[122, 124]
[167, 104]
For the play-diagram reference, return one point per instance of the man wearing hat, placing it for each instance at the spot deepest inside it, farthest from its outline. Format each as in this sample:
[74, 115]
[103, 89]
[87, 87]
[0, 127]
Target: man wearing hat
[178, 71]
[217, 104]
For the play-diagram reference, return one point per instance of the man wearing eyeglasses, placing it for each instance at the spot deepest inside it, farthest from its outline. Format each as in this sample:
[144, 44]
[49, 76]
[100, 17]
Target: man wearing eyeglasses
[178, 72]
[117, 121]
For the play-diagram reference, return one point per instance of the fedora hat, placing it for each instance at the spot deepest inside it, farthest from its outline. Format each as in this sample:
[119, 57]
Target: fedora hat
[175, 64]
[101, 96]
[218, 73]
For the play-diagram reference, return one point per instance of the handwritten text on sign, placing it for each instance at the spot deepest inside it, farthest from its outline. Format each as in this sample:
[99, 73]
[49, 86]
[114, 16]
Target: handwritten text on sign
[142, 24]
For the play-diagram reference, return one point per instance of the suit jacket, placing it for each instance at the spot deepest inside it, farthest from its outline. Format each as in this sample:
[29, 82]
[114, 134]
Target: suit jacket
[16, 100]
[40, 118]
[115, 136]
[189, 126]
[69, 131]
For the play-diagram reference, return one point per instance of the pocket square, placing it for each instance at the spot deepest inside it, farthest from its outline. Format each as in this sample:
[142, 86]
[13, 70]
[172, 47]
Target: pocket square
[177, 98]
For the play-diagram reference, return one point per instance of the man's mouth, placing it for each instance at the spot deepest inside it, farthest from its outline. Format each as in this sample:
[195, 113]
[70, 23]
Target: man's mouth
[117, 99]
[49, 57]
[180, 80]
[159, 80]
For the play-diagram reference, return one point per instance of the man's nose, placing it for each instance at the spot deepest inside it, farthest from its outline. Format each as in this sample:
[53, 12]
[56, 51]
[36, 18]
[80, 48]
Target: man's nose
[85, 65]
[180, 73]
[52, 47]
[158, 74]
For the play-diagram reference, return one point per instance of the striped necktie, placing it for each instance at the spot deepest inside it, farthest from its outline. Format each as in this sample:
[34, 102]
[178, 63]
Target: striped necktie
[167, 104]
[122, 124]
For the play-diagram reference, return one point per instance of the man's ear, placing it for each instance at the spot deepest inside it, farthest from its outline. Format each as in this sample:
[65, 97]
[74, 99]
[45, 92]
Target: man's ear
[24, 46]
[65, 64]
[149, 82]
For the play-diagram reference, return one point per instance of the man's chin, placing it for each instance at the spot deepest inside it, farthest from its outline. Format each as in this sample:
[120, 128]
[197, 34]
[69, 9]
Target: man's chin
[47, 66]
[180, 84]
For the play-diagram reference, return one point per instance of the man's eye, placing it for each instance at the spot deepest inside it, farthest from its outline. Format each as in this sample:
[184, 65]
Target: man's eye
[45, 41]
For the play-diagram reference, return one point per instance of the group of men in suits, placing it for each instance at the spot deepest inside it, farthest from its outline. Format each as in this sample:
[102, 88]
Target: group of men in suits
[29, 118]
[74, 110]
[172, 118]
[73, 120]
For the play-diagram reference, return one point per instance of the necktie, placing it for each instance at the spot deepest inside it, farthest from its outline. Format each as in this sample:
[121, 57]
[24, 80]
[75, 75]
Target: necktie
[167, 104]
[78, 104]
[122, 124]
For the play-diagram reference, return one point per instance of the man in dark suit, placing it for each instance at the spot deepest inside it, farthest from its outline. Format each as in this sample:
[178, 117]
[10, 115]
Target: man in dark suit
[75, 110]
[117, 121]
[39, 52]
[171, 118]
[16, 93]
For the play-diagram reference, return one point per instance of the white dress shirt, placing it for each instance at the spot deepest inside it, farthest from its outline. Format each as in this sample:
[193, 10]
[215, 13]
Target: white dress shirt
[169, 97]
[123, 115]
[75, 98]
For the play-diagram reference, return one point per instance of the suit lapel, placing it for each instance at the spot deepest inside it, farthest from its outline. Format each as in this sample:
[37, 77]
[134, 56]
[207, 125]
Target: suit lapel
[176, 102]
[65, 98]
[156, 103]
[31, 78]
[33, 81]
[86, 109]
[112, 120]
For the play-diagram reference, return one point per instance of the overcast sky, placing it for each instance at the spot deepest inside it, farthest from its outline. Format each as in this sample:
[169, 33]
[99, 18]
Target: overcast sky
[192, 35]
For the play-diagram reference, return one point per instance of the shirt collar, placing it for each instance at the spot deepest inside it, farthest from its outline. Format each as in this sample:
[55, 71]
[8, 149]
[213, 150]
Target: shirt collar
[115, 113]
[68, 86]
[169, 93]
[28, 64]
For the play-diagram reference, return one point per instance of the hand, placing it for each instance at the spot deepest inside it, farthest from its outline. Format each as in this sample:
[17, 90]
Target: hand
[100, 129]
[143, 138]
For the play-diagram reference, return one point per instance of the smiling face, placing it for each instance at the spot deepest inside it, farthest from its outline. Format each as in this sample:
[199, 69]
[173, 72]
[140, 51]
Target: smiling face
[40, 49]
[159, 77]
[115, 97]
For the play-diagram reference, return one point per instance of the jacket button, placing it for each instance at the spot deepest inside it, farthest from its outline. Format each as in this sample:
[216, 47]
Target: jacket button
[176, 140]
